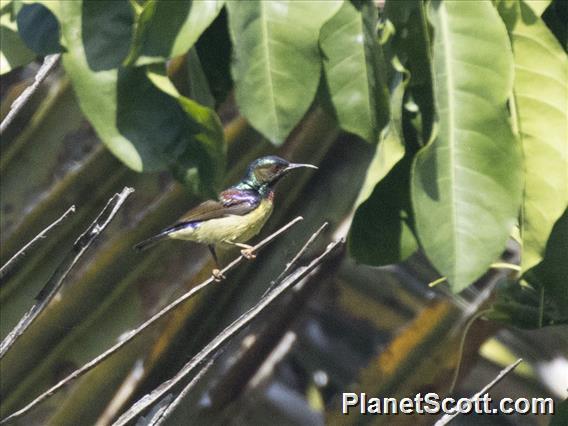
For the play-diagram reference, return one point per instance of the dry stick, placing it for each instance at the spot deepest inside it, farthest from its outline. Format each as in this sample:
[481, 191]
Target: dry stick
[163, 414]
[290, 281]
[166, 411]
[133, 333]
[295, 259]
[447, 418]
[10, 264]
[56, 280]
[48, 64]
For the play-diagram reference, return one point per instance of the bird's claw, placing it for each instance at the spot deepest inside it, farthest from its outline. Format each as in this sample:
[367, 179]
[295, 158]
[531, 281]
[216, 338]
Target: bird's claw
[248, 253]
[218, 275]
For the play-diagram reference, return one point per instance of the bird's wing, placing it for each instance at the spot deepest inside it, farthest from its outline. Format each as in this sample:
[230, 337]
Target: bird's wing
[231, 202]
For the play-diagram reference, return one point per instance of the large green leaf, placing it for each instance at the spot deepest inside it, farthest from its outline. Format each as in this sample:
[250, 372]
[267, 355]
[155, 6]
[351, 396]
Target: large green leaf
[541, 94]
[355, 70]
[143, 126]
[467, 184]
[277, 60]
[168, 29]
[13, 51]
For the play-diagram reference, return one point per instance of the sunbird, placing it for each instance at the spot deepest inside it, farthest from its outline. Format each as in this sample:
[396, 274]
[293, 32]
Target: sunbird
[239, 213]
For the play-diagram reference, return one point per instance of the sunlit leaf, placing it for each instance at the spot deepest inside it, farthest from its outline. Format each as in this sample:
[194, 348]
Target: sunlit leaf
[350, 47]
[540, 96]
[466, 185]
[277, 60]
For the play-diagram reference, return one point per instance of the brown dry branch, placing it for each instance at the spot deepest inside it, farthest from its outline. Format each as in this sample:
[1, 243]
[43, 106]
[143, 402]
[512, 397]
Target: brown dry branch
[133, 333]
[287, 283]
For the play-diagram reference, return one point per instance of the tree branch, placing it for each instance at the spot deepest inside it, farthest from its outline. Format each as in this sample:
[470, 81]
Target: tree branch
[11, 263]
[447, 418]
[48, 64]
[291, 280]
[56, 280]
[132, 334]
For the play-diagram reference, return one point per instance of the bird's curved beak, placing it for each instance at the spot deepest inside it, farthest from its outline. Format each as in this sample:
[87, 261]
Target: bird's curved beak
[292, 166]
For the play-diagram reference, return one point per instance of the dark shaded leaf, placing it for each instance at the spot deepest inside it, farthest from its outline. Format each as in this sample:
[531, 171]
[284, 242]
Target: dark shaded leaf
[168, 29]
[39, 29]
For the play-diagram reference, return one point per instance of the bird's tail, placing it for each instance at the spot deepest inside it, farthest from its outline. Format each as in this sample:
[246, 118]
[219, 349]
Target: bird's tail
[143, 245]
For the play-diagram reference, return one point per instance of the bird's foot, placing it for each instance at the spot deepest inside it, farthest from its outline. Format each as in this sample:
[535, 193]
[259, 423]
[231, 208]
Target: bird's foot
[248, 253]
[218, 275]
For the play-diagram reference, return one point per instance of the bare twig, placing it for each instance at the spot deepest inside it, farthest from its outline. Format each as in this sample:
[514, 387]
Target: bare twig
[133, 333]
[142, 404]
[48, 64]
[161, 417]
[295, 259]
[56, 280]
[10, 264]
[447, 418]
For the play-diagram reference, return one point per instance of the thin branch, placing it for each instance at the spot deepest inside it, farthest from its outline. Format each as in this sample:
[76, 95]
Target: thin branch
[10, 264]
[48, 64]
[161, 417]
[240, 365]
[56, 280]
[133, 333]
[294, 278]
[295, 259]
[447, 418]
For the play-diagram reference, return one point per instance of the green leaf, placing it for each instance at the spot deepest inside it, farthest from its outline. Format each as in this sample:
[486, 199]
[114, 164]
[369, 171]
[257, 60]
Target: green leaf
[355, 70]
[168, 29]
[39, 29]
[277, 60]
[552, 273]
[215, 52]
[198, 84]
[466, 185]
[540, 96]
[541, 298]
[13, 51]
[537, 6]
[381, 232]
[411, 46]
[207, 150]
[144, 127]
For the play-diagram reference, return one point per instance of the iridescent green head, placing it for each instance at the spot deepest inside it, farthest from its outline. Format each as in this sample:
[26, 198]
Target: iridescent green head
[266, 171]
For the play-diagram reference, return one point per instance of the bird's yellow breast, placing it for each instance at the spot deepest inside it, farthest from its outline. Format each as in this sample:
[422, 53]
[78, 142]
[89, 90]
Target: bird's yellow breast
[232, 228]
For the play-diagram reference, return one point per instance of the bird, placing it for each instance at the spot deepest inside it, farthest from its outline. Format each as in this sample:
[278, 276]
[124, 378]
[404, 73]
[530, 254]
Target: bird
[239, 213]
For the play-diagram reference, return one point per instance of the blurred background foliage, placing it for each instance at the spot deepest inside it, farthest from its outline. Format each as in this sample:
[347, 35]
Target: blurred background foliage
[440, 129]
